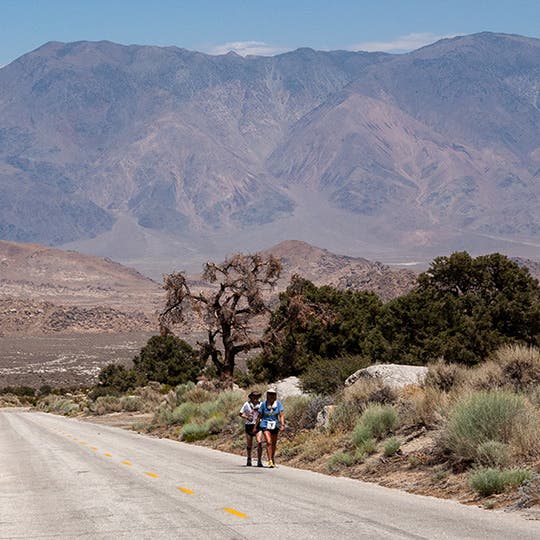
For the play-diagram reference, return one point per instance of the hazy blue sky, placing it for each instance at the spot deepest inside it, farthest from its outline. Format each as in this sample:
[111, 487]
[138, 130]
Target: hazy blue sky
[258, 26]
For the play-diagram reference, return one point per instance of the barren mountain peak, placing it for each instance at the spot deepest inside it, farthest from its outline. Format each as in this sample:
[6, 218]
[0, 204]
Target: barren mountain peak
[373, 153]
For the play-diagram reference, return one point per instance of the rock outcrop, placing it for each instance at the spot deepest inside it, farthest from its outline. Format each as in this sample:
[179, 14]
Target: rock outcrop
[394, 375]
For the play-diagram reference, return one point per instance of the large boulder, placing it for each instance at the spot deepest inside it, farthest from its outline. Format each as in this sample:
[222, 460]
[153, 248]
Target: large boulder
[394, 375]
[288, 387]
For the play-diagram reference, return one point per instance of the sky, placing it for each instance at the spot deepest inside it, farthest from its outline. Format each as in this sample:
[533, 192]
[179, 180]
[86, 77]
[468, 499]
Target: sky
[259, 26]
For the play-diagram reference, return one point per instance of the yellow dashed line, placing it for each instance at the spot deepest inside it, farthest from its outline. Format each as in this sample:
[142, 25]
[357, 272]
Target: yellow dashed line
[151, 474]
[93, 448]
[75, 439]
[185, 490]
[108, 455]
[84, 443]
[235, 512]
[127, 463]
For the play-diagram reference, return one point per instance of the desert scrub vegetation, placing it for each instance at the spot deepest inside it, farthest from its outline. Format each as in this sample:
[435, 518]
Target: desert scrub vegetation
[488, 481]
[199, 413]
[488, 417]
[64, 405]
[374, 424]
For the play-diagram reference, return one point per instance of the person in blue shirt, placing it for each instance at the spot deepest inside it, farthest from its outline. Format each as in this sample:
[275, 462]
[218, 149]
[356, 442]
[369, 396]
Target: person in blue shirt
[271, 420]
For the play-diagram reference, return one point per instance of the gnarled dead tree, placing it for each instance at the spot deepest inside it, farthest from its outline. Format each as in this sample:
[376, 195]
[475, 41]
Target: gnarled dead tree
[227, 311]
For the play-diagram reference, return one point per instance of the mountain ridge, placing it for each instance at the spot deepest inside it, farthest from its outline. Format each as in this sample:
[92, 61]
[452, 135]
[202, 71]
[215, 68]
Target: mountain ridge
[415, 154]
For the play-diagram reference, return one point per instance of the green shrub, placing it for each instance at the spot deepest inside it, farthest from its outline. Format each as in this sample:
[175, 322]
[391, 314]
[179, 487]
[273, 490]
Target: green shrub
[116, 379]
[380, 420]
[20, 391]
[483, 417]
[131, 403]
[493, 454]
[230, 401]
[194, 432]
[183, 413]
[361, 434]
[215, 423]
[339, 460]
[324, 376]
[182, 389]
[168, 360]
[208, 408]
[488, 481]
[366, 448]
[391, 446]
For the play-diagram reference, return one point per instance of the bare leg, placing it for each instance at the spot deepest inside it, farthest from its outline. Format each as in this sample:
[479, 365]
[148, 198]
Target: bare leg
[258, 438]
[268, 438]
[273, 437]
[249, 444]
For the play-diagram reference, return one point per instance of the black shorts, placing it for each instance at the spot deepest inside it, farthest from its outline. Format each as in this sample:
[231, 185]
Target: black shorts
[249, 429]
[275, 430]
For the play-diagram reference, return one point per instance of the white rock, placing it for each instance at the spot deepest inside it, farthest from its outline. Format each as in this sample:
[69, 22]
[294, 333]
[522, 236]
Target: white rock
[394, 375]
[288, 387]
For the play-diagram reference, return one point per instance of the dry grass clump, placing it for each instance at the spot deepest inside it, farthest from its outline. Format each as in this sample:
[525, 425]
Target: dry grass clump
[296, 408]
[150, 396]
[520, 365]
[198, 395]
[422, 407]
[106, 404]
[64, 405]
[515, 367]
[316, 446]
[9, 400]
[485, 377]
[444, 376]
[369, 390]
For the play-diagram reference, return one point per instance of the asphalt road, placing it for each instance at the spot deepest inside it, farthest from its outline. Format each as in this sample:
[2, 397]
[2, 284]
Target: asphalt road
[63, 478]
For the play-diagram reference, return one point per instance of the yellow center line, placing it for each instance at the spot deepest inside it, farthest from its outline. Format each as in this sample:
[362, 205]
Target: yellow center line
[84, 443]
[108, 455]
[185, 490]
[93, 448]
[127, 463]
[151, 474]
[235, 512]
[75, 439]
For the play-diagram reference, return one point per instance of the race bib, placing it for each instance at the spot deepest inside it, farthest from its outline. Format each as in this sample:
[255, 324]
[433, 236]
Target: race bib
[270, 424]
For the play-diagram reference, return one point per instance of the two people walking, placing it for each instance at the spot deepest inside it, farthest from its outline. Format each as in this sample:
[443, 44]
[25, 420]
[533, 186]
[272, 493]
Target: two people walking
[263, 420]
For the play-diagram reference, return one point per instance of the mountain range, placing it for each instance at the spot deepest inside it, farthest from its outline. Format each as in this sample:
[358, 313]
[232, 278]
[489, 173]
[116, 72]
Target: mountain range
[48, 291]
[162, 157]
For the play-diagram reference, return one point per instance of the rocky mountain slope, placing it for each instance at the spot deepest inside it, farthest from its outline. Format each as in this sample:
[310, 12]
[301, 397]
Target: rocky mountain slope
[167, 156]
[325, 268]
[46, 290]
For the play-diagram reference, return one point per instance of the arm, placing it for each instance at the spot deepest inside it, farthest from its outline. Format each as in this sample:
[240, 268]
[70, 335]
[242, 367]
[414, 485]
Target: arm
[281, 417]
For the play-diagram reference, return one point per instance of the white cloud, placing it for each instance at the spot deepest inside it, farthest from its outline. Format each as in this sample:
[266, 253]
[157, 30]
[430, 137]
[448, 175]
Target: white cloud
[401, 43]
[245, 48]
